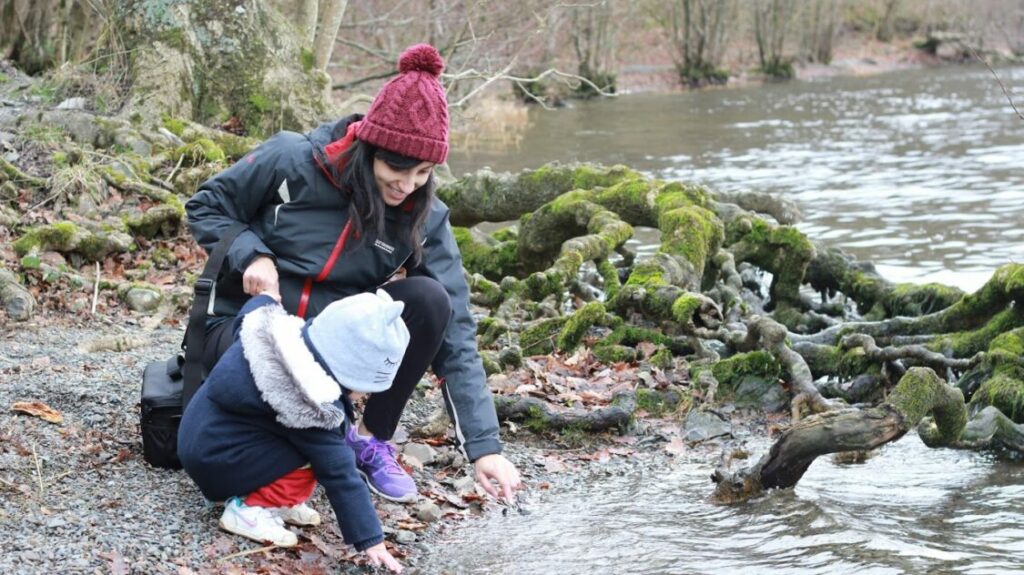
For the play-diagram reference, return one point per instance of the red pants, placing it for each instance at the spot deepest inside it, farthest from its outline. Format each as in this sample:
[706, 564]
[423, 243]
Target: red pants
[288, 490]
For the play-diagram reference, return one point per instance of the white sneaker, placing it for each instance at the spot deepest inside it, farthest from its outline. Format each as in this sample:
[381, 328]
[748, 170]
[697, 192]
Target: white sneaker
[258, 523]
[302, 515]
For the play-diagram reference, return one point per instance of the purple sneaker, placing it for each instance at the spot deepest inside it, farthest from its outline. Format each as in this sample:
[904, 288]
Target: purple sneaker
[377, 463]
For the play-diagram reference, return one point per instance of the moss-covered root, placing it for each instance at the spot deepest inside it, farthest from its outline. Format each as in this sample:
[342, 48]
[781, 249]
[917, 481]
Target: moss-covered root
[771, 336]
[993, 303]
[782, 250]
[832, 271]
[67, 237]
[920, 392]
[568, 231]
[578, 324]
[784, 211]
[539, 416]
[988, 429]
[486, 255]
[11, 172]
[1004, 387]
[651, 290]
[488, 197]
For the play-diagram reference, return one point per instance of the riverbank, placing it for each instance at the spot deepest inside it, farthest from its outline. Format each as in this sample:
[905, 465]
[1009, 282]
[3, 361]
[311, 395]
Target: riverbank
[78, 497]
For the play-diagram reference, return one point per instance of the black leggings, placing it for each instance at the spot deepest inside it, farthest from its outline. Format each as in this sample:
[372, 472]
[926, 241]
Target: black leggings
[426, 314]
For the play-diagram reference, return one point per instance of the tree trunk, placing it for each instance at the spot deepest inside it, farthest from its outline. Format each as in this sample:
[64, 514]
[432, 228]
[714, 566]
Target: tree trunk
[331, 13]
[210, 61]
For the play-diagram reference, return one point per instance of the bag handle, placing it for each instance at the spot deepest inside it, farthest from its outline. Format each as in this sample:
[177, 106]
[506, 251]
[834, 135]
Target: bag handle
[195, 333]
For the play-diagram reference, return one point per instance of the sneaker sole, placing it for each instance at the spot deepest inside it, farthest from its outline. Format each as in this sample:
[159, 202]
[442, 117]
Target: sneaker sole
[301, 524]
[254, 537]
[406, 499]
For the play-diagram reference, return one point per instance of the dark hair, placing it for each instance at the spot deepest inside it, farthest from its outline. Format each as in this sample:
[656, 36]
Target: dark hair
[367, 204]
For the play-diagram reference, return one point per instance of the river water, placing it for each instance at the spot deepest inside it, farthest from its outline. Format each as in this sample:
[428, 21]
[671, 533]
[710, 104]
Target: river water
[921, 172]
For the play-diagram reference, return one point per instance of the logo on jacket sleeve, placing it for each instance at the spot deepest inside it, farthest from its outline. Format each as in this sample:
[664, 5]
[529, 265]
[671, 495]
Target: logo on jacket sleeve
[383, 246]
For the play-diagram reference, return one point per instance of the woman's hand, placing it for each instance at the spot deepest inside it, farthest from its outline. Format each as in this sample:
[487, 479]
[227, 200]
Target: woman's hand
[261, 276]
[496, 467]
[378, 555]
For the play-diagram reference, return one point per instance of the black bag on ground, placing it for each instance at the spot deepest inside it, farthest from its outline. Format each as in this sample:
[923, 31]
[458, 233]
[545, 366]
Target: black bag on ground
[168, 385]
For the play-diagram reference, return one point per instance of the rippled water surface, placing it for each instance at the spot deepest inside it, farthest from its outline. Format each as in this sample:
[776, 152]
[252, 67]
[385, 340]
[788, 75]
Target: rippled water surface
[910, 509]
[921, 172]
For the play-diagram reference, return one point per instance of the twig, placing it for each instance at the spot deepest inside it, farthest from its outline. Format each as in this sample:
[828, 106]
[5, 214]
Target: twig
[246, 552]
[354, 83]
[39, 472]
[996, 76]
[96, 289]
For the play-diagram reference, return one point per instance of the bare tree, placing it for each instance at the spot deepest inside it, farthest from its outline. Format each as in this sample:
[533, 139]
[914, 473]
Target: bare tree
[820, 26]
[771, 22]
[697, 31]
[593, 41]
[885, 25]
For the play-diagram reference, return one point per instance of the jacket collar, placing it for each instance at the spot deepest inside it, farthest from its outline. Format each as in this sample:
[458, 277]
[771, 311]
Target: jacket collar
[286, 373]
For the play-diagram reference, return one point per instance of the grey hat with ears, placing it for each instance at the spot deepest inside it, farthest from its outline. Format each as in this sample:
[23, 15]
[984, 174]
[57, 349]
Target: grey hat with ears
[362, 339]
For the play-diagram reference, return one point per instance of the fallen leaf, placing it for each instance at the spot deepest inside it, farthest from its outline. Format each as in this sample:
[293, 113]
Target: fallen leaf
[38, 409]
[117, 562]
[676, 446]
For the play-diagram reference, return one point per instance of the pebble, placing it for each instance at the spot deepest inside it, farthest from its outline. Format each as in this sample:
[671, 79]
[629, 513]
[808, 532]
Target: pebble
[405, 537]
[428, 511]
[423, 453]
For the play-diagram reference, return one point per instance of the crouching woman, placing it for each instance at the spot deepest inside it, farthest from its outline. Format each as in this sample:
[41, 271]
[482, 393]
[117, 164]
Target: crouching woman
[270, 421]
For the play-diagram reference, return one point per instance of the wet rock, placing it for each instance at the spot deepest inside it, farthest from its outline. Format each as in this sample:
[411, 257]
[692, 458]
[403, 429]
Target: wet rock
[130, 139]
[422, 452]
[428, 512]
[766, 394]
[143, 300]
[702, 425]
[464, 484]
[405, 537]
[436, 425]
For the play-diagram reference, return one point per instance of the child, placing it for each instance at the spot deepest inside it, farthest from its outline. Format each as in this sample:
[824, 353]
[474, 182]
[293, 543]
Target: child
[270, 420]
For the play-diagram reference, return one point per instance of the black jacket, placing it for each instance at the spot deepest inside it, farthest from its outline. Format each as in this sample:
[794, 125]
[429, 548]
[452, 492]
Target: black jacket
[285, 190]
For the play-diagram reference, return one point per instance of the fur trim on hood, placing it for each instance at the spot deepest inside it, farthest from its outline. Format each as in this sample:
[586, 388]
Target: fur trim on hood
[287, 375]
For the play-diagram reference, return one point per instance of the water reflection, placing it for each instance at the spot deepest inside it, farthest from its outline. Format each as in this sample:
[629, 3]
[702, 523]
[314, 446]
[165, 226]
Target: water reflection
[920, 172]
[910, 509]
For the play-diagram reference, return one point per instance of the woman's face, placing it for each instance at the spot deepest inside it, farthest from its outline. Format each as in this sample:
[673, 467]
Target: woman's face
[396, 185]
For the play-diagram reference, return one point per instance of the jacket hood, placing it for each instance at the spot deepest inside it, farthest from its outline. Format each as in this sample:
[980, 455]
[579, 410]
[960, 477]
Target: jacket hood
[326, 133]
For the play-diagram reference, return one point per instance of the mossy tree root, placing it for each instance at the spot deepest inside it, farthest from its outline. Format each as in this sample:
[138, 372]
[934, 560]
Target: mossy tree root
[910, 354]
[488, 197]
[782, 250]
[833, 271]
[538, 415]
[920, 392]
[785, 211]
[11, 172]
[970, 312]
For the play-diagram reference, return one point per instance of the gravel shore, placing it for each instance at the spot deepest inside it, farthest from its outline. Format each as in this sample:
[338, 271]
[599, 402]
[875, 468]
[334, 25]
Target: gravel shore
[77, 497]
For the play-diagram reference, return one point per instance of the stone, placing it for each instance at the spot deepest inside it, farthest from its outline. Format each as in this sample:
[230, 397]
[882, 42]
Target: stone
[76, 103]
[16, 300]
[405, 537]
[143, 300]
[428, 512]
[464, 484]
[702, 425]
[421, 451]
[766, 394]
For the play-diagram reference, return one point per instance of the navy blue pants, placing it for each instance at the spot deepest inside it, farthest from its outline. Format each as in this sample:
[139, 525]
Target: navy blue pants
[426, 314]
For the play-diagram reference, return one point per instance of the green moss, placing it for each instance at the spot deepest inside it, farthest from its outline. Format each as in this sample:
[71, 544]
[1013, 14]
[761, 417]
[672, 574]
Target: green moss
[31, 261]
[610, 275]
[260, 103]
[308, 59]
[539, 338]
[60, 159]
[201, 151]
[729, 371]
[58, 237]
[578, 324]
[647, 274]
[614, 353]
[494, 263]
[967, 343]
[535, 420]
[652, 402]
[691, 232]
[662, 358]
[4, 78]
[920, 392]
[175, 125]
[915, 300]
[684, 307]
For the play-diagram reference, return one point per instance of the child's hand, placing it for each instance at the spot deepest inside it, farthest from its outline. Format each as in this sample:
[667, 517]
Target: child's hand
[379, 555]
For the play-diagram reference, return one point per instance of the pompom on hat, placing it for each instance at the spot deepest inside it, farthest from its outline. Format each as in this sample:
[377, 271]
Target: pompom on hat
[409, 116]
[361, 339]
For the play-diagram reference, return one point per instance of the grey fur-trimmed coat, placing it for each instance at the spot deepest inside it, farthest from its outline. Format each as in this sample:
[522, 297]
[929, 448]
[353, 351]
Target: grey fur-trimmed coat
[268, 408]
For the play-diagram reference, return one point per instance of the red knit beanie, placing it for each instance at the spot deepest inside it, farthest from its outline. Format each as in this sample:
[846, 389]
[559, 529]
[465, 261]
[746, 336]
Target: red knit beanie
[409, 116]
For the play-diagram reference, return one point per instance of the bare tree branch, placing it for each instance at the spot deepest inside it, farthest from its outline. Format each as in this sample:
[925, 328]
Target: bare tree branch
[996, 76]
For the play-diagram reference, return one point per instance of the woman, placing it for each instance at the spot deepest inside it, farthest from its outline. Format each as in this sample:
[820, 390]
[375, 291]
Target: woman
[348, 208]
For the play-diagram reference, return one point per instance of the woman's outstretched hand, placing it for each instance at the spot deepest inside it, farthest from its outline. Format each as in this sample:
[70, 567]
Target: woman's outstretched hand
[261, 276]
[496, 467]
[378, 555]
